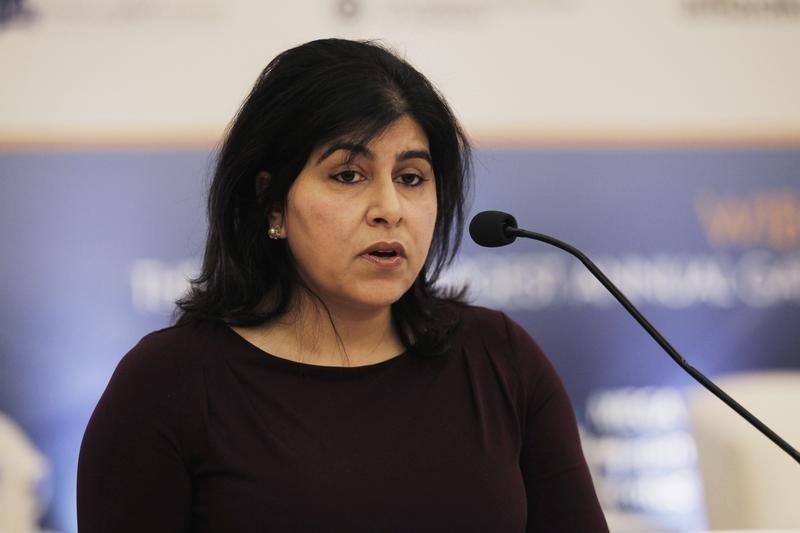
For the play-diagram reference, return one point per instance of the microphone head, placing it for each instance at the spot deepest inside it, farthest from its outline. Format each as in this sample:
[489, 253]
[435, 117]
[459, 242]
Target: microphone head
[488, 228]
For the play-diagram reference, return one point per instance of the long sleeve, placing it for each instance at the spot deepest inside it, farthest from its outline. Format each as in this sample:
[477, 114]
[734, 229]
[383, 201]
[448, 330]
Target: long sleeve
[560, 493]
[131, 476]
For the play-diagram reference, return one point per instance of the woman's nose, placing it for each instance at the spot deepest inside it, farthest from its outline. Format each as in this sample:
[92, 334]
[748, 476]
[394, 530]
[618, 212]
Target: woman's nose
[385, 203]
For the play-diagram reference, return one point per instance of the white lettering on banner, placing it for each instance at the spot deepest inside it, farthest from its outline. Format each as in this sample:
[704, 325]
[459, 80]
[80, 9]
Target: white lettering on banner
[676, 492]
[675, 449]
[636, 410]
[640, 445]
[764, 280]
[511, 281]
[156, 284]
[667, 281]
[534, 281]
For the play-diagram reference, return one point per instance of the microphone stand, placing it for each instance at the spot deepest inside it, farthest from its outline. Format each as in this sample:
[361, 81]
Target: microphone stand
[512, 232]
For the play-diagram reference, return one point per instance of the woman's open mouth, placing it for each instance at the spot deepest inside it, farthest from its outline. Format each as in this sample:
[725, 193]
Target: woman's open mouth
[387, 255]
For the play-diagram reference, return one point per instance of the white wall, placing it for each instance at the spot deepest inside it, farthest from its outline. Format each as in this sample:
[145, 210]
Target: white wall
[174, 71]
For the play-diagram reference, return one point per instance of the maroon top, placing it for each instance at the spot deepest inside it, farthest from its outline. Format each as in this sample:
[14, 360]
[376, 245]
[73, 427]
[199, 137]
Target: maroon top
[200, 431]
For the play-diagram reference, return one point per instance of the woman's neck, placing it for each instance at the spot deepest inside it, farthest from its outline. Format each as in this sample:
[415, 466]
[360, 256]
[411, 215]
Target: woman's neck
[328, 335]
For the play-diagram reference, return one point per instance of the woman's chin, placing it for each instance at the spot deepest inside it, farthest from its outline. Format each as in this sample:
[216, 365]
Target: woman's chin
[371, 299]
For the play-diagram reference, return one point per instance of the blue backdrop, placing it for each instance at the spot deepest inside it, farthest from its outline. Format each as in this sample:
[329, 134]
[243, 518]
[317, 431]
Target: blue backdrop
[97, 245]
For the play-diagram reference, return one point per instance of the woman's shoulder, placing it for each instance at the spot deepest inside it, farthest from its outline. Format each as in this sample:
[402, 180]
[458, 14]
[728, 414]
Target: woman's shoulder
[175, 342]
[164, 358]
[179, 341]
[493, 334]
[489, 320]
[493, 326]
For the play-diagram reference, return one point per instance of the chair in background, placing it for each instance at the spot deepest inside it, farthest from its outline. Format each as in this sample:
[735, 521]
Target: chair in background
[22, 468]
[749, 483]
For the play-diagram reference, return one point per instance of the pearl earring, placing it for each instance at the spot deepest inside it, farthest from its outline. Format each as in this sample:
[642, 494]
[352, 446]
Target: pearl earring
[274, 232]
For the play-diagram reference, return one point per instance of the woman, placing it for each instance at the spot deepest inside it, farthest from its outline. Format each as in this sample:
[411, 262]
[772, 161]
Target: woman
[316, 379]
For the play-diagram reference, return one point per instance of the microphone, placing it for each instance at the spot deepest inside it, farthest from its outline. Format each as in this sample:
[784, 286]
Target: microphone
[488, 228]
[495, 228]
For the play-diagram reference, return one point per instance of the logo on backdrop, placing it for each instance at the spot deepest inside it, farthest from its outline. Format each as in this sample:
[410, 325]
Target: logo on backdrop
[768, 219]
[742, 8]
[348, 9]
[15, 11]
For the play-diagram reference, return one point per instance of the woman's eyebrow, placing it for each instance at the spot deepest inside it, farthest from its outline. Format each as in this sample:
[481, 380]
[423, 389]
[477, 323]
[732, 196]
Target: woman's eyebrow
[354, 149]
[415, 154]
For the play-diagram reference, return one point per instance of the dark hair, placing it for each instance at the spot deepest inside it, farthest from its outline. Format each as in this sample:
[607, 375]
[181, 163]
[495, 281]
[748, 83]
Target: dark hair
[305, 97]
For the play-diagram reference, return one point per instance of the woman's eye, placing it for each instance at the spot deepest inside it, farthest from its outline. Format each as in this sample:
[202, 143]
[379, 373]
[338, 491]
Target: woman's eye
[348, 176]
[411, 180]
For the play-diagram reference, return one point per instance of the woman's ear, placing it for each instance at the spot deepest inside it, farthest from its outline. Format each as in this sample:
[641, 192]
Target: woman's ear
[276, 228]
[276, 221]
[274, 216]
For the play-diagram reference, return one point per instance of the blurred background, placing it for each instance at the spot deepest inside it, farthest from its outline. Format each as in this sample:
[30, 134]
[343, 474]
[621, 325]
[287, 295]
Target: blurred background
[661, 137]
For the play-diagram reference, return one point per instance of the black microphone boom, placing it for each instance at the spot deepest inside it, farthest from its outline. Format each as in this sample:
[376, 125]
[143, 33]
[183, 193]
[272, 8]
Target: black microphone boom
[495, 228]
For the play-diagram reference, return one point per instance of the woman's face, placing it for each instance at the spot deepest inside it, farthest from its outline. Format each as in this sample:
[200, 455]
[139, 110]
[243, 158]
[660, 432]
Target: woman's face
[359, 219]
